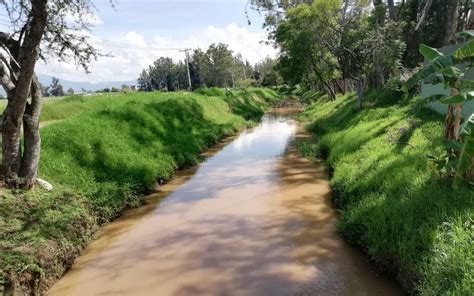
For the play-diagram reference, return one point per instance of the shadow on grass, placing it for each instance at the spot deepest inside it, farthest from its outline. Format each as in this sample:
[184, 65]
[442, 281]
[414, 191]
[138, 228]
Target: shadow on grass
[246, 105]
[393, 204]
[113, 154]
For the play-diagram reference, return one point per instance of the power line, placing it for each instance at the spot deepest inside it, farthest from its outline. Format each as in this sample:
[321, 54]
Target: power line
[112, 43]
[129, 45]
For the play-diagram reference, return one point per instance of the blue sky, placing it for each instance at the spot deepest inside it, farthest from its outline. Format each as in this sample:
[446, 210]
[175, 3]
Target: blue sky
[180, 17]
[154, 25]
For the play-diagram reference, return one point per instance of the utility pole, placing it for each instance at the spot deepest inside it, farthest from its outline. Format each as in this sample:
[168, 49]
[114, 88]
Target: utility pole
[186, 52]
[244, 68]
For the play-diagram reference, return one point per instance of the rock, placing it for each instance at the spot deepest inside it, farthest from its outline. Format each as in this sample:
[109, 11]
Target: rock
[44, 184]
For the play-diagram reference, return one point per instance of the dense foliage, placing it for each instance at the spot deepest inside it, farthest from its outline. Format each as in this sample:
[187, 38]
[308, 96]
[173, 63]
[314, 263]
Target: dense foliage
[218, 66]
[341, 45]
[338, 46]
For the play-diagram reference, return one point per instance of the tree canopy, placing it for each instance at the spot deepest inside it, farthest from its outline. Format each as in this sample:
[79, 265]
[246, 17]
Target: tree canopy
[218, 66]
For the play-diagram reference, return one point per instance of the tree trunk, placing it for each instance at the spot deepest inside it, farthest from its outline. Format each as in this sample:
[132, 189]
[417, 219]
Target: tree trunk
[391, 10]
[451, 21]
[32, 139]
[457, 120]
[13, 115]
[10, 147]
[448, 124]
[452, 122]
[463, 15]
[470, 25]
[381, 72]
[360, 87]
[424, 13]
[340, 87]
[330, 90]
[379, 79]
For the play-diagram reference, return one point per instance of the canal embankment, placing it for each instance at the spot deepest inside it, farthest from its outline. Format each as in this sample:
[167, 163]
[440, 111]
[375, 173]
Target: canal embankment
[396, 205]
[104, 155]
[255, 218]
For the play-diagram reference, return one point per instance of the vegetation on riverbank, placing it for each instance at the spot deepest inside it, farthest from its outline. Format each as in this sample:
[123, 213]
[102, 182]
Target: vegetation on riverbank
[394, 203]
[102, 158]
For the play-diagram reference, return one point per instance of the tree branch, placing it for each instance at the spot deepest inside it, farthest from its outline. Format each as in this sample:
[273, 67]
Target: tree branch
[5, 80]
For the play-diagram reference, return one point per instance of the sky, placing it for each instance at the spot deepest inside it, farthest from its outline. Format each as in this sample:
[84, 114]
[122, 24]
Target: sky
[148, 29]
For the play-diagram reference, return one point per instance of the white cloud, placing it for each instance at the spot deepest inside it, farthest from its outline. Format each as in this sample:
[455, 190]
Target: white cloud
[132, 52]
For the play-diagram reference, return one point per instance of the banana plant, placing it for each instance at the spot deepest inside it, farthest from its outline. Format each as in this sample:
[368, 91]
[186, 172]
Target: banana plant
[465, 169]
[441, 68]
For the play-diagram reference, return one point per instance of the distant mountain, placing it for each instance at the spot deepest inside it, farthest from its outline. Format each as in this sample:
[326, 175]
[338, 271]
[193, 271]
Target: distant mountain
[77, 86]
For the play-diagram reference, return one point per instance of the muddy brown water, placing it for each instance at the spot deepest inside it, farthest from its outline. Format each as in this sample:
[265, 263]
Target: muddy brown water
[254, 219]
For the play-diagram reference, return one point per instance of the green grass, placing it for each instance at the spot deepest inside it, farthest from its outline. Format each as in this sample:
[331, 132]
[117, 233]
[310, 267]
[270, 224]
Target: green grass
[47, 101]
[393, 203]
[102, 157]
[40, 234]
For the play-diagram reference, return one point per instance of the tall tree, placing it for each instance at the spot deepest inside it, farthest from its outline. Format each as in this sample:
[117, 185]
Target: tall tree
[56, 89]
[200, 68]
[216, 66]
[41, 29]
[161, 74]
[452, 9]
[268, 74]
[144, 81]
[392, 10]
[221, 65]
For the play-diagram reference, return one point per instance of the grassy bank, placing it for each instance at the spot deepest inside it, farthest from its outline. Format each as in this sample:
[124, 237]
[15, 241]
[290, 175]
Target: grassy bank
[393, 203]
[105, 154]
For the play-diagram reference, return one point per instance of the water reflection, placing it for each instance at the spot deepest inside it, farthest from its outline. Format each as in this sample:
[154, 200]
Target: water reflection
[254, 219]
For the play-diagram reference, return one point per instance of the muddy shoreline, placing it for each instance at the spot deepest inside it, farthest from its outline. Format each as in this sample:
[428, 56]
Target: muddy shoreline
[39, 284]
[273, 195]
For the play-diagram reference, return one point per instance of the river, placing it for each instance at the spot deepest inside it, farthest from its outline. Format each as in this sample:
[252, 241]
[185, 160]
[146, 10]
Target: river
[254, 218]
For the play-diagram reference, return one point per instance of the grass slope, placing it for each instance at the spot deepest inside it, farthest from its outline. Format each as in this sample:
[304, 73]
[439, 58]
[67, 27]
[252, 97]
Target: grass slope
[105, 154]
[393, 204]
